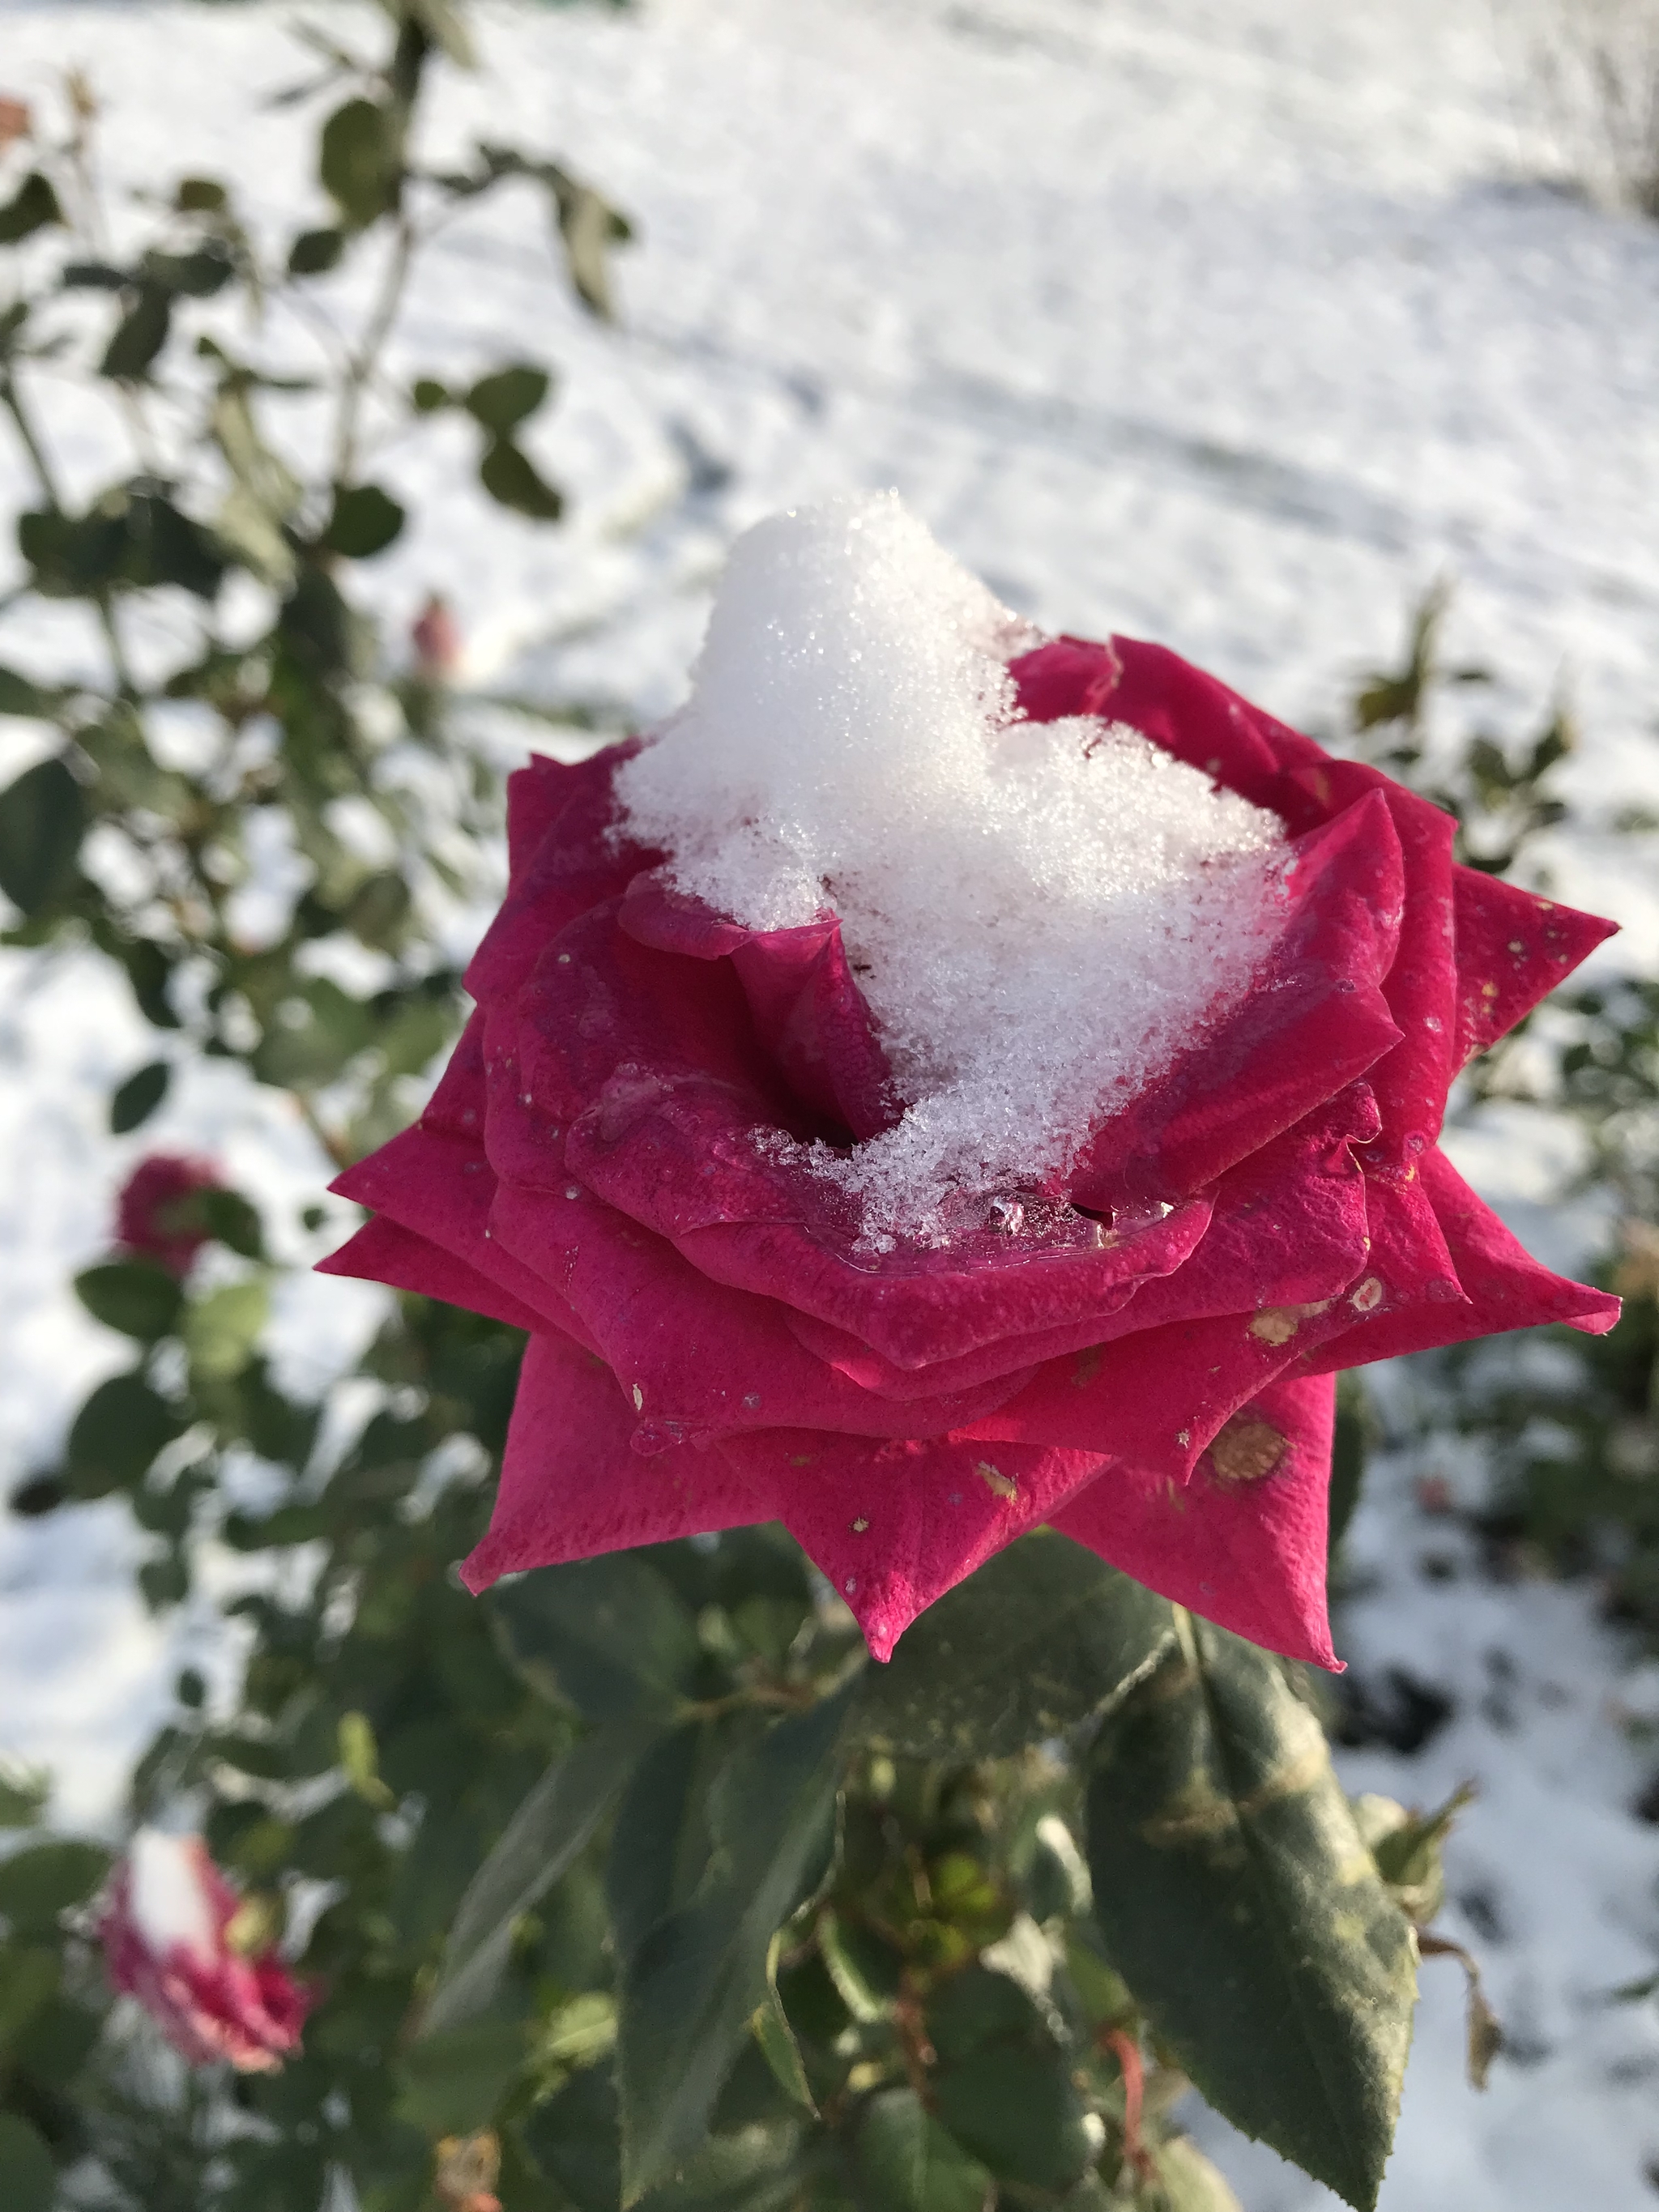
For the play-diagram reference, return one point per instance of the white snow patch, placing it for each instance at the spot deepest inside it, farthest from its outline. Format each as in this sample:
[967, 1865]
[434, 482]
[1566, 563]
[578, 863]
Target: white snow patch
[169, 1904]
[1040, 914]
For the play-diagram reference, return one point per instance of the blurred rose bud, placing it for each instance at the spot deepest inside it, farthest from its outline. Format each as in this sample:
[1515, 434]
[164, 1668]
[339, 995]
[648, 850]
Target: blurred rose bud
[436, 637]
[168, 1938]
[15, 121]
[468, 2168]
[1434, 1494]
[155, 1215]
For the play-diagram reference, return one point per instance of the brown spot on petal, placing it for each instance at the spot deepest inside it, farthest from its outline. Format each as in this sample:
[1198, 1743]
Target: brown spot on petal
[1000, 1485]
[1276, 1324]
[1245, 1450]
[15, 121]
[860, 1525]
[1087, 1368]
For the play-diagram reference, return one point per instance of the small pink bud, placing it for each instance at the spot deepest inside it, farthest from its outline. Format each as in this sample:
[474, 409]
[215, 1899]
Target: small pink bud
[15, 120]
[153, 1216]
[165, 1925]
[436, 637]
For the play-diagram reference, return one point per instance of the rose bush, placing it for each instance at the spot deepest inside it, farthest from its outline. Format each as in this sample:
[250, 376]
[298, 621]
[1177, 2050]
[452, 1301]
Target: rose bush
[1144, 1358]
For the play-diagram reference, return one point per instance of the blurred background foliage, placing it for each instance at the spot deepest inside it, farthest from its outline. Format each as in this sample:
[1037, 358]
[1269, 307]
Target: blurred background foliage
[630, 1882]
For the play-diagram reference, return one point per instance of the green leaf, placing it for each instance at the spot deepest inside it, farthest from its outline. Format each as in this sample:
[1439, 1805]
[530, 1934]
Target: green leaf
[198, 276]
[445, 25]
[314, 253]
[376, 913]
[1034, 1642]
[360, 1761]
[134, 1295]
[427, 396]
[139, 335]
[689, 1990]
[201, 196]
[1189, 2182]
[1237, 1897]
[1355, 1433]
[29, 1975]
[541, 1841]
[221, 1329]
[451, 2084]
[572, 2137]
[588, 227]
[1002, 2085]
[500, 402]
[37, 1884]
[608, 1634]
[166, 546]
[908, 2162]
[265, 493]
[661, 1844]
[20, 695]
[360, 162]
[228, 1216]
[364, 522]
[77, 556]
[31, 207]
[772, 2030]
[31, 2176]
[137, 1098]
[116, 1435]
[24, 1791]
[43, 816]
[510, 476]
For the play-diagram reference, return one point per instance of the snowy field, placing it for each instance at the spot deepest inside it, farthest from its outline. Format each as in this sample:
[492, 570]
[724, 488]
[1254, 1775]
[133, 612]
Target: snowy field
[1233, 322]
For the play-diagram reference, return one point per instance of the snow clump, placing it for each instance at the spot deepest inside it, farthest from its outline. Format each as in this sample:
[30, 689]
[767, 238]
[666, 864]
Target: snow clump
[1041, 915]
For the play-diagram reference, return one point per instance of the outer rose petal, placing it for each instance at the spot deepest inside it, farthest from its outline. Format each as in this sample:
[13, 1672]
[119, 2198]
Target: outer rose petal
[896, 1526]
[572, 1486]
[1512, 949]
[1503, 1286]
[382, 1252]
[1246, 1550]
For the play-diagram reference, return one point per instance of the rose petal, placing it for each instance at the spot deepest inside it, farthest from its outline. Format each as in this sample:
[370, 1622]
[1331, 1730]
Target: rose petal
[1247, 1550]
[894, 1527]
[441, 1188]
[1503, 1287]
[572, 867]
[571, 1485]
[1317, 1018]
[808, 1012]
[700, 1359]
[1512, 949]
[383, 1252]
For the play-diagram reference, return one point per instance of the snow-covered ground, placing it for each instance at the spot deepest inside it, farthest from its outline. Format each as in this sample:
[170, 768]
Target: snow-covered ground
[1229, 322]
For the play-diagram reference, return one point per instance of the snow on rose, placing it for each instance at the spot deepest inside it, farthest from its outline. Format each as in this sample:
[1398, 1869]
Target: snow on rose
[168, 1926]
[950, 1080]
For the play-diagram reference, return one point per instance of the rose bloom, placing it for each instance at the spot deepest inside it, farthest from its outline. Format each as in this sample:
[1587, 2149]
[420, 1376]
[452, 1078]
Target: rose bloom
[150, 1211]
[1140, 1351]
[164, 1925]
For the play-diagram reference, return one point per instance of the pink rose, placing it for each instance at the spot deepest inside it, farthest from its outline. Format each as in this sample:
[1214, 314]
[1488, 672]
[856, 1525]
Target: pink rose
[1142, 1356]
[166, 1926]
[153, 1213]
